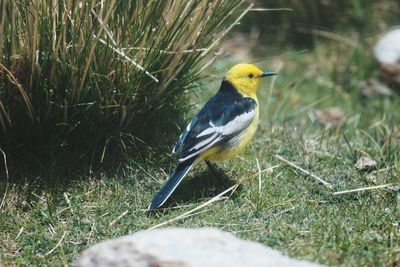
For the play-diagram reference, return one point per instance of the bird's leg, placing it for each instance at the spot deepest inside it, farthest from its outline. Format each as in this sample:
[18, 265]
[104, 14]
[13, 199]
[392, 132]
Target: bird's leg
[212, 168]
[220, 175]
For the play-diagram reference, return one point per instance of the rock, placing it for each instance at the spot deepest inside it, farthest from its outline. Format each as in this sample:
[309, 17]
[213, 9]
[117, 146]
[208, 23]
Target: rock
[329, 117]
[365, 164]
[387, 53]
[177, 247]
[387, 49]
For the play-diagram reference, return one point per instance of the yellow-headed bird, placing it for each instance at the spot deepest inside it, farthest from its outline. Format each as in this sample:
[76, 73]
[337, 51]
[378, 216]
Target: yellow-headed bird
[222, 128]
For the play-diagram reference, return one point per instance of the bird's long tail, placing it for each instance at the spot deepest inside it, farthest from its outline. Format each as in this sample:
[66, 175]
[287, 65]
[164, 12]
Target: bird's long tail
[172, 183]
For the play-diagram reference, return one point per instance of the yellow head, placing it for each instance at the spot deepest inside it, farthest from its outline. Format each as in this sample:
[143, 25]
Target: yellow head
[246, 78]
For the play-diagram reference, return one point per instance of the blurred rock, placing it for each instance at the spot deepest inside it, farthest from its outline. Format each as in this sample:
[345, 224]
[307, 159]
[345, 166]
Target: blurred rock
[387, 53]
[184, 248]
[365, 164]
[387, 49]
[329, 117]
[374, 88]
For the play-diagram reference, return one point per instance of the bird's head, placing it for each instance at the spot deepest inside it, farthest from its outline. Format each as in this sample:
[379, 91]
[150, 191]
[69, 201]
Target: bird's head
[246, 78]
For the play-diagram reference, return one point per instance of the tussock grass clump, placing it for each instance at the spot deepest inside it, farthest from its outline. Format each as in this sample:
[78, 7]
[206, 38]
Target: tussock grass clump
[78, 73]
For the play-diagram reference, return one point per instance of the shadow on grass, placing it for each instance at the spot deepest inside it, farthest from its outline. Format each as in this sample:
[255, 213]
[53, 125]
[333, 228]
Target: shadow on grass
[38, 177]
[202, 185]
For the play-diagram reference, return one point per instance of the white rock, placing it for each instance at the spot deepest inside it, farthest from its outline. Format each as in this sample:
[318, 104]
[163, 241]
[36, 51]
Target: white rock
[176, 247]
[387, 49]
[365, 164]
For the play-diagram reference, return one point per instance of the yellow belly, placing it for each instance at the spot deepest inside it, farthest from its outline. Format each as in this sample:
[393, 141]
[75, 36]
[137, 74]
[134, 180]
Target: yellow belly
[220, 153]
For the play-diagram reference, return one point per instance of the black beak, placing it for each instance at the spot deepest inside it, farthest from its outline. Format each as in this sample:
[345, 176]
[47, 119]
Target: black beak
[266, 74]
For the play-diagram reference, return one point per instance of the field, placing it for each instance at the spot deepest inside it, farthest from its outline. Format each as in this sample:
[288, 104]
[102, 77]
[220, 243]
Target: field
[270, 194]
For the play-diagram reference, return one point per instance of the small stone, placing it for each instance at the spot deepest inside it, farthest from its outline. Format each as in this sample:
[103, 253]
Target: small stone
[177, 247]
[365, 164]
[387, 49]
[330, 117]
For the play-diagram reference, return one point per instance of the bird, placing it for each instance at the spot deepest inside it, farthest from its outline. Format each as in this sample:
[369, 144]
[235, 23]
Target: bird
[223, 127]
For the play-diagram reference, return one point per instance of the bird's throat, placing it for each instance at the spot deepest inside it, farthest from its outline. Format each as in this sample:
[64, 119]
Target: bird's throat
[247, 89]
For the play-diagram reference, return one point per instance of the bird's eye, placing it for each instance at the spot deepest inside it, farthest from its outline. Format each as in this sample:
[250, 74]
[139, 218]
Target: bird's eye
[251, 75]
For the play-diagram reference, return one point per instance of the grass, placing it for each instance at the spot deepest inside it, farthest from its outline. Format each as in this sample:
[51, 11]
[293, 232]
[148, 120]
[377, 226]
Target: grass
[306, 16]
[50, 220]
[73, 70]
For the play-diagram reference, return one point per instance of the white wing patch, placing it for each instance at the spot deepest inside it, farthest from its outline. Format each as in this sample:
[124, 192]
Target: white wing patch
[236, 125]
[204, 142]
[217, 133]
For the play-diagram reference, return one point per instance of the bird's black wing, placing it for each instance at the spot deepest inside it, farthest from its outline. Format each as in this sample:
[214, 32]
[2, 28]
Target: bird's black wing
[225, 115]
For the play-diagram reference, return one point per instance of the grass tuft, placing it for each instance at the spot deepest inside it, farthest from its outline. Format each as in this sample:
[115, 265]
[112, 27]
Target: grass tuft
[91, 75]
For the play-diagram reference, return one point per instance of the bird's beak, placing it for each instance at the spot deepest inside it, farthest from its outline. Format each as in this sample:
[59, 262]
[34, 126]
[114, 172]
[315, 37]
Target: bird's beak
[266, 74]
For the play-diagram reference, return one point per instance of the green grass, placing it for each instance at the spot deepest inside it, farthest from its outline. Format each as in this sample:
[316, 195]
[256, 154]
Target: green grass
[285, 209]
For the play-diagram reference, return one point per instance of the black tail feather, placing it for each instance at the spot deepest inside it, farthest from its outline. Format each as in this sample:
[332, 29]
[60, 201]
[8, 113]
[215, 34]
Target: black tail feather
[172, 183]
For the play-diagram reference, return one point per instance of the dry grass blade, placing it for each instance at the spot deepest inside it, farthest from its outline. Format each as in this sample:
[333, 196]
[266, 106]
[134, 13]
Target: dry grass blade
[68, 202]
[167, 51]
[205, 204]
[259, 176]
[122, 54]
[5, 119]
[94, 43]
[106, 29]
[332, 36]
[258, 173]
[363, 189]
[19, 232]
[326, 184]
[23, 93]
[209, 62]
[259, 9]
[118, 218]
[57, 245]
[228, 29]
[7, 177]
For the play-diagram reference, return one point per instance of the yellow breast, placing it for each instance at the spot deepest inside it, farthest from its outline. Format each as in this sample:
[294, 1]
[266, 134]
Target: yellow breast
[220, 153]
